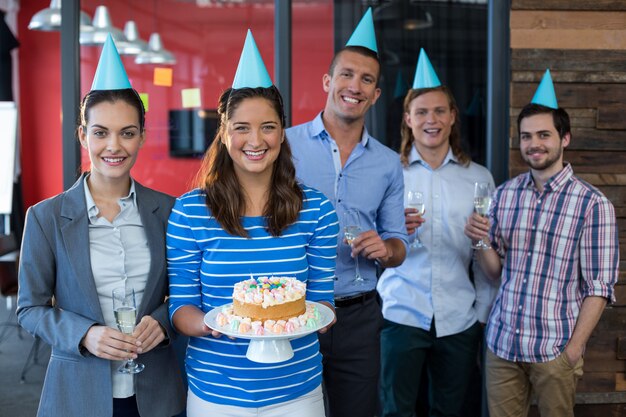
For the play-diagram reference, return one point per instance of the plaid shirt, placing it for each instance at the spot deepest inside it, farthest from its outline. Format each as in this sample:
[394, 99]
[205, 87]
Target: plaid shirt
[558, 247]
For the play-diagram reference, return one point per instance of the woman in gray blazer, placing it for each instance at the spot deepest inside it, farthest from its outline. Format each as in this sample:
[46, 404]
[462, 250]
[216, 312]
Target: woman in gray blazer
[104, 232]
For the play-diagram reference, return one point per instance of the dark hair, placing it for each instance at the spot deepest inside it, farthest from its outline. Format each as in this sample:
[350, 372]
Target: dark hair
[455, 132]
[361, 50]
[218, 179]
[559, 117]
[95, 97]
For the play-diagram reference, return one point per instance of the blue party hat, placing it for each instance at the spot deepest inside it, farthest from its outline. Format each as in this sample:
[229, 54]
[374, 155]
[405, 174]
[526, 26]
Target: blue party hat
[110, 74]
[251, 71]
[425, 75]
[364, 34]
[545, 94]
[401, 86]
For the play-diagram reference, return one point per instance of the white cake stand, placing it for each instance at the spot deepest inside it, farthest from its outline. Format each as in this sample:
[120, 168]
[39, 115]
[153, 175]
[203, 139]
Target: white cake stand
[270, 348]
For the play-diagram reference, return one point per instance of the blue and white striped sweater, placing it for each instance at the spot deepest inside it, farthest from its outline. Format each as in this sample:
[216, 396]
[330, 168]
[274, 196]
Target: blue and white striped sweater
[204, 263]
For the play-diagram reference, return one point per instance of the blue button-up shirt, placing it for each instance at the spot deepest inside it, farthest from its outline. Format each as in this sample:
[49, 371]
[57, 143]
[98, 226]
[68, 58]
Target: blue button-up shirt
[370, 181]
[119, 256]
[434, 280]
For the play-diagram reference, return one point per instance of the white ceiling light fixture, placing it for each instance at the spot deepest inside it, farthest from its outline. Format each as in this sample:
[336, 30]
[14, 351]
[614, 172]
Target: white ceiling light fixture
[49, 19]
[425, 21]
[412, 18]
[155, 54]
[133, 45]
[102, 26]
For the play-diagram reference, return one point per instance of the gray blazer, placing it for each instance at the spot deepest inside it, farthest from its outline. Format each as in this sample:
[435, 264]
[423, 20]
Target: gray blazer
[55, 261]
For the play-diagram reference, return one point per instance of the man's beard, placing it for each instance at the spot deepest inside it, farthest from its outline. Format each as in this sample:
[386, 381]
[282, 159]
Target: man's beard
[550, 160]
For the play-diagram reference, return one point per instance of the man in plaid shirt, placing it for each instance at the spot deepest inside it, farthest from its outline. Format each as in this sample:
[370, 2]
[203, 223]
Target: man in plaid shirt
[554, 244]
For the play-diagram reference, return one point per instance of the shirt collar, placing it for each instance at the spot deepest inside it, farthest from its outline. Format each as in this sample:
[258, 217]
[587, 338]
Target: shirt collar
[92, 209]
[416, 157]
[319, 131]
[556, 182]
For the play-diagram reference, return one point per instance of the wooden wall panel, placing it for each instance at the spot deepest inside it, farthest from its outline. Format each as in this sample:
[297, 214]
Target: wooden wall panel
[572, 76]
[573, 95]
[546, 19]
[583, 137]
[583, 43]
[588, 62]
[593, 410]
[546, 29]
[611, 116]
[568, 39]
[613, 318]
[604, 179]
[620, 296]
[592, 162]
[601, 351]
[568, 5]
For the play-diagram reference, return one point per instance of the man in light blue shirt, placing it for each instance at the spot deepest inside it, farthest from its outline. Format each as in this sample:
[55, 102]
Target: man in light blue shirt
[335, 154]
[431, 307]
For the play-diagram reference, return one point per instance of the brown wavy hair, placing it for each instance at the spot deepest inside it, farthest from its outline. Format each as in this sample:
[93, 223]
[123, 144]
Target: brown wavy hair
[455, 132]
[224, 196]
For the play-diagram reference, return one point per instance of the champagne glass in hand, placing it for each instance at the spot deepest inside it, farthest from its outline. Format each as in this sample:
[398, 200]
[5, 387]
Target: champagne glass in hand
[125, 311]
[351, 230]
[482, 202]
[415, 200]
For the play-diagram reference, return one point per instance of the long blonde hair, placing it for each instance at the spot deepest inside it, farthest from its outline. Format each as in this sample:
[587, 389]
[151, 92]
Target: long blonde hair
[455, 133]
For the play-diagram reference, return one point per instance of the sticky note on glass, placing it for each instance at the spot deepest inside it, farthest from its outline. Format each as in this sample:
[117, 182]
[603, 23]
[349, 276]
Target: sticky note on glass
[163, 77]
[191, 97]
[144, 99]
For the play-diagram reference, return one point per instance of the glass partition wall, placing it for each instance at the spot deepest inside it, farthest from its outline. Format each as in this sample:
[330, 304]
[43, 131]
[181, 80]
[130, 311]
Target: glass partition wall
[205, 38]
[453, 34]
[200, 43]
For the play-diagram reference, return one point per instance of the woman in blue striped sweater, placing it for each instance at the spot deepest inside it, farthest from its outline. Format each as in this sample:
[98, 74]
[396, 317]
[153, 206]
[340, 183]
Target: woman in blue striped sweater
[248, 216]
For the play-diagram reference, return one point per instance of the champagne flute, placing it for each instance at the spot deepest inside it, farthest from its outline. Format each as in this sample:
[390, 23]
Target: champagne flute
[125, 311]
[415, 199]
[351, 230]
[482, 202]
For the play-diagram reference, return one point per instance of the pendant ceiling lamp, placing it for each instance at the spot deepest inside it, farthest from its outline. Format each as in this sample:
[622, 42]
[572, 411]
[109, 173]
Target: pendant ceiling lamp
[409, 17]
[102, 26]
[155, 54]
[50, 19]
[133, 45]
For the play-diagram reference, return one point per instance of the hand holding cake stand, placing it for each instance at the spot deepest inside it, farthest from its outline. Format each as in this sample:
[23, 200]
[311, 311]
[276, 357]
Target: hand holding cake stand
[271, 347]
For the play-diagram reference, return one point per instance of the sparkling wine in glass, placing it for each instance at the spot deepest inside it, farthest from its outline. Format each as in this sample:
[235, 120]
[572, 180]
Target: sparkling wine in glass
[415, 199]
[125, 311]
[482, 202]
[351, 230]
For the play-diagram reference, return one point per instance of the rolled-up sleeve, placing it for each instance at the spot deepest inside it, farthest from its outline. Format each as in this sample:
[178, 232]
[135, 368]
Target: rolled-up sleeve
[599, 254]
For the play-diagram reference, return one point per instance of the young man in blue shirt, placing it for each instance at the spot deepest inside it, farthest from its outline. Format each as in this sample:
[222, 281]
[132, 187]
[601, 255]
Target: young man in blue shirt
[335, 154]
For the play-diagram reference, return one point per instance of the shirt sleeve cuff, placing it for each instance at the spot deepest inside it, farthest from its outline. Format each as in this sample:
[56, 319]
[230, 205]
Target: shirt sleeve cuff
[600, 289]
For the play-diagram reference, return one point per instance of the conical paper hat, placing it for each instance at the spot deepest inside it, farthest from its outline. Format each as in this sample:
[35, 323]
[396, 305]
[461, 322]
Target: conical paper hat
[110, 74]
[425, 76]
[251, 71]
[401, 86]
[364, 34]
[545, 94]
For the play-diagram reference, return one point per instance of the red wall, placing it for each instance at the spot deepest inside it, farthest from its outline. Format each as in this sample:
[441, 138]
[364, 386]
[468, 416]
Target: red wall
[206, 42]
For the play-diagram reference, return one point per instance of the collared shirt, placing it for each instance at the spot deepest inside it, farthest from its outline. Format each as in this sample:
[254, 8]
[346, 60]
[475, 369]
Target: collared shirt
[434, 280]
[370, 182]
[119, 256]
[559, 246]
